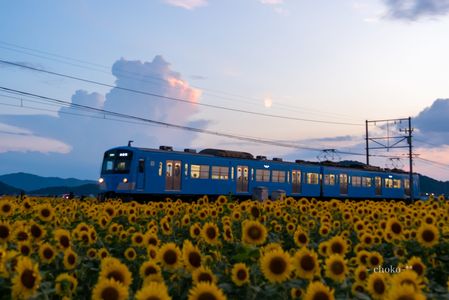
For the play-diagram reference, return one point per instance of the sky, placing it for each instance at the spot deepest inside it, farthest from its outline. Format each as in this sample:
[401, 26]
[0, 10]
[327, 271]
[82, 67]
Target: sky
[304, 75]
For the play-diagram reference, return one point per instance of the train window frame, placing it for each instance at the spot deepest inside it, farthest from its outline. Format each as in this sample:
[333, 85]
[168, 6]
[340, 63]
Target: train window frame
[388, 183]
[356, 181]
[330, 179]
[220, 172]
[203, 171]
[278, 176]
[160, 169]
[312, 178]
[262, 175]
[367, 181]
[397, 183]
[141, 165]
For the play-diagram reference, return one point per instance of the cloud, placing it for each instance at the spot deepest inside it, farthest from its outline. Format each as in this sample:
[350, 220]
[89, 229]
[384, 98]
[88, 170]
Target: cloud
[88, 136]
[432, 126]
[187, 4]
[413, 10]
[272, 2]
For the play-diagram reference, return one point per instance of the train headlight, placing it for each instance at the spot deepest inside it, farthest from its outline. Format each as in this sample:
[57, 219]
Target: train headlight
[125, 180]
[100, 180]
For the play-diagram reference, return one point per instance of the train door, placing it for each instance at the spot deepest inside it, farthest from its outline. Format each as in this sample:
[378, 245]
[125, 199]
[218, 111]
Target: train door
[407, 187]
[140, 184]
[378, 185]
[296, 181]
[172, 175]
[242, 179]
[343, 184]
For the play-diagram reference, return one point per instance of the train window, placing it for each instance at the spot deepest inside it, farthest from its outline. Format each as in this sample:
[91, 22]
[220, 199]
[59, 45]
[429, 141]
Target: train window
[312, 178]
[388, 183]
[160, 169]
[141, 165]
[262, 175]
[117, 161]
[406, 183]
[220, 172]
[232, 173]
[199, 171]
[252, 174]
[396, 183]
[366, 181]
[329, 179]
[356, 180]
[186, 169]
[277, 176]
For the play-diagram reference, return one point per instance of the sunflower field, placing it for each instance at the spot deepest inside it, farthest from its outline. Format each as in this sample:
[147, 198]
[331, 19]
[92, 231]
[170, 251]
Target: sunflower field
[53, 248]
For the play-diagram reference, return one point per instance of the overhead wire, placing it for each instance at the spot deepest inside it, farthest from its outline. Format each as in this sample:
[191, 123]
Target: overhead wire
[148, 78]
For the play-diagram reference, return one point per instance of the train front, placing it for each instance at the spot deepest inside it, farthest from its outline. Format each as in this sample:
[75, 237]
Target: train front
[116, 172]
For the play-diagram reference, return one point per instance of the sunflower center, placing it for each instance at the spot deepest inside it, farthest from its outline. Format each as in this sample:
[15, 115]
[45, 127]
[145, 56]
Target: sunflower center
[255, 212]
[131, 254]
[110, 293]
[428, 236]
[337, 267]
[307, 262]
[278, 265]
[195, 259]
[196, 231]
[241, 274]
[170, 257]
[117, 276]
[320, 295]
[64, 241]
[138, 239]
[362, 276]
[4, 232]
[150, 270]
[205, 277]
[254, 233]
[45, 212]
[48, 253]
[374, 260]
[22, 236]
[6, 208]
[406, 297]
[210, 232]
[36, 231]
[396, 228]
[28, 279]
[379, 286]
[418, 268]
[71, 259]
[206, 296]
[337, 248]
[152, 241]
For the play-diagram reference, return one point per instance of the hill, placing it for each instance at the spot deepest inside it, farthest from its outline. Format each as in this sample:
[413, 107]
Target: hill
[85, 189]
[30, 182]
[430, 185]
[6, 189]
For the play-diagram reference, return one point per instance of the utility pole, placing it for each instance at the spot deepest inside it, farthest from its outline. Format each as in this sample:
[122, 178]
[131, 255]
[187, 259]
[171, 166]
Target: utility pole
[392, 140]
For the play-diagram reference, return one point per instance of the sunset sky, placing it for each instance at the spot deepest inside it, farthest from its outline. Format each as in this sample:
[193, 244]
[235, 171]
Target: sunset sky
[303, 73]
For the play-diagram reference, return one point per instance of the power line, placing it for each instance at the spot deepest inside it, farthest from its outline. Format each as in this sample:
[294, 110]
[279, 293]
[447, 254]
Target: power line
[65, 60]
[174, 98]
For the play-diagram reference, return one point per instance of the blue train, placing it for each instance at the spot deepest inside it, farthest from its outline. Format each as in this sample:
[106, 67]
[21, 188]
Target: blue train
[133, 172]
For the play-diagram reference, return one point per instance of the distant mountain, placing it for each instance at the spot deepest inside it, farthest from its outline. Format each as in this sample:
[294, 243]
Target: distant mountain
[85, 189]
[30, 182]
[430, 185]
[8, 190]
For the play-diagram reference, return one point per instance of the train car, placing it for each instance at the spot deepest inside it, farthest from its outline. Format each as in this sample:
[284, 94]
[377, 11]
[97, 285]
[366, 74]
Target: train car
[134, 172]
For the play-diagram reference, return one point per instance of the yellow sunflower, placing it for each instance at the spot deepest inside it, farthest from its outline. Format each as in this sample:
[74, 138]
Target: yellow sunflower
[253, 233]
[336, 267]
[337, 245]
[27, 279]
[107, 289]
[417, 265]
[203, 274]
[70, 259]
[62, 238]
[45, 212]
[66, 284]
[151, 239]
[301, 237]
[428, 235]
[399, 292]
[306, 263]
[153, 291]
[375, 259]
[191, 255]
[6, 208]
[130, 254]
[240, 274]
[169, 256]
[296, 293]
[46, 253]
[276, 265]
[37, 232]
[195, 230]
[317, 290]
[112, 268]
[377, 285]
[361, 273]
[408, 277]
[5, 231]
[395, 228]
[149, 269]
[206, 290]
[210, 233]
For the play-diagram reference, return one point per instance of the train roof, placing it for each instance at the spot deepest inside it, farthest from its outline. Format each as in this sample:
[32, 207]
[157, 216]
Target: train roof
[348, 164]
